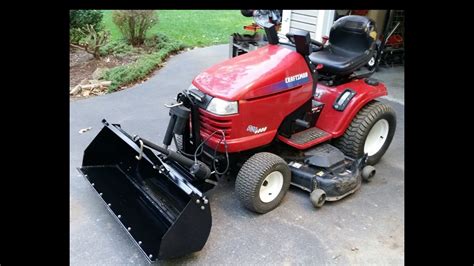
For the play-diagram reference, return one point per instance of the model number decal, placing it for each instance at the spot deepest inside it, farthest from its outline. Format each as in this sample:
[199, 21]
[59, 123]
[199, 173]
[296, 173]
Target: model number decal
[296, 77]
[256, 130]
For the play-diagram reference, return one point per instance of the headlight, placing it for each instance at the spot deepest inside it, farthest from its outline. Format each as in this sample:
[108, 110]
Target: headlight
[221, 107]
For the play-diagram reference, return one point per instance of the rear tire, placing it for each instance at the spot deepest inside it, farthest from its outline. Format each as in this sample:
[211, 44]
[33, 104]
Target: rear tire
[371, 131]
[262, 182]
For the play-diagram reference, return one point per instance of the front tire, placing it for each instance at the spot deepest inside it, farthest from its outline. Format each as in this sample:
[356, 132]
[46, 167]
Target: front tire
[371, 131]
[262, 182]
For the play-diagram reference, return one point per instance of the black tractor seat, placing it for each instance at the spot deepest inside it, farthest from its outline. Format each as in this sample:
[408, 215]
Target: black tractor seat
[350, 46]
[339, 62]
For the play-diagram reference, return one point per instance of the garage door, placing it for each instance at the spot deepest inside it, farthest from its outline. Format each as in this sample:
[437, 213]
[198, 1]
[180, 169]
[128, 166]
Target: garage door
[317, 22]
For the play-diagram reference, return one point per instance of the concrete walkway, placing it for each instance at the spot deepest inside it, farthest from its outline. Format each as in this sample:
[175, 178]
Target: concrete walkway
[365, 228]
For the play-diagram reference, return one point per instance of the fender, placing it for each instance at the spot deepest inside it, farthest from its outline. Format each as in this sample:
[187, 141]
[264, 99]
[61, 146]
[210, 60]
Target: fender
[336, 122]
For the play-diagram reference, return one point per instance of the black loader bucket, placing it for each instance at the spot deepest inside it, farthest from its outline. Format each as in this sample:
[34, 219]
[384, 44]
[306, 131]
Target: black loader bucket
[150, 195]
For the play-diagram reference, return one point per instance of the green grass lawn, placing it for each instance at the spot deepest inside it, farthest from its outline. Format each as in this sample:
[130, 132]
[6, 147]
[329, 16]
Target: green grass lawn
[192, 27]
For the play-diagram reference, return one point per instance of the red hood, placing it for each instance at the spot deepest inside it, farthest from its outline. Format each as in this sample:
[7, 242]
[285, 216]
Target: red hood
[254, 74]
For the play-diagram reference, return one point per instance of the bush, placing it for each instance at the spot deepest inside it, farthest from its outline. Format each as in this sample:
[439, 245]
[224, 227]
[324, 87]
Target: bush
[124, 75]
[134, 24]
[78, 19]
[94, 40]
[157, 41]
[75, 36]
[116, 48]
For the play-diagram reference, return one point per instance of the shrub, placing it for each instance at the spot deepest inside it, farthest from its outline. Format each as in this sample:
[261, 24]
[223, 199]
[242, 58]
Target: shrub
[75, 35]
[124, 75]
[119, 47]
[78, 19]
[134, 24]
[157, 41]
[93, 40]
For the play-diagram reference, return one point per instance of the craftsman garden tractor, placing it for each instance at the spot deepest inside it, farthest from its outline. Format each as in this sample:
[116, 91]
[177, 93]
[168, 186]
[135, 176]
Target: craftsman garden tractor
[293, 112]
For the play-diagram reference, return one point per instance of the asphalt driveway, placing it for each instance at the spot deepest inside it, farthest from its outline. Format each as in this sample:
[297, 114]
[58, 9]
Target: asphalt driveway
[365, 228]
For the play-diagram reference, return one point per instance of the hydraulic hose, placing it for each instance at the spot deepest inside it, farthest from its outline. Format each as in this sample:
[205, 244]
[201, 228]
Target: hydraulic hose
[199, 169]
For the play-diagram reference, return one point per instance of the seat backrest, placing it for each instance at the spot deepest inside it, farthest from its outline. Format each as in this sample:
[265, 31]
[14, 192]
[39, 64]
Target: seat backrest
[352, 34]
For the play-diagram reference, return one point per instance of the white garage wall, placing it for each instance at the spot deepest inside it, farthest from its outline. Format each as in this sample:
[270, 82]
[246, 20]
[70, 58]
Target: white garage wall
[317, 22]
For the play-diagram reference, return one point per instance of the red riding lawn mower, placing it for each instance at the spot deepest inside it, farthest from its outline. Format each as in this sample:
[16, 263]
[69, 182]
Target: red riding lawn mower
[288, 113]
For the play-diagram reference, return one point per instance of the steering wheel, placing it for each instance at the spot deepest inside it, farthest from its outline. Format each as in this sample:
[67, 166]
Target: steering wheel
[266, 18]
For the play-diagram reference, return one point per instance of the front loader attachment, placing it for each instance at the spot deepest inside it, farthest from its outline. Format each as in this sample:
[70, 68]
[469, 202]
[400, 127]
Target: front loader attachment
[150, 195]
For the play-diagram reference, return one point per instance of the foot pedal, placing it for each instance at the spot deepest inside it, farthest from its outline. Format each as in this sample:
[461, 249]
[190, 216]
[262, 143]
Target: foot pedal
[306, 138]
